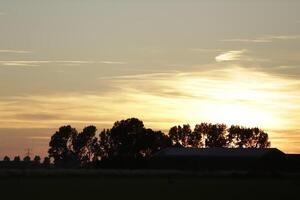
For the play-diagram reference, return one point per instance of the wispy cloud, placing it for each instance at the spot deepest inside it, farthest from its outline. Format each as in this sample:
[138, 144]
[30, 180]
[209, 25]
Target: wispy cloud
[74, 62]
[31, 63]
[204, 50]
[13, 51]
[3, 13]
[258, 40]
[39, 138]
[37, 116]
[34, 63]
[284, 67]
[112, 62]
[283, 37]
[230, 55]
[140, 76]
[263, 39]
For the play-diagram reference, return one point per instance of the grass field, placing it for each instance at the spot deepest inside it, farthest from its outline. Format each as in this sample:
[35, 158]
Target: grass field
[126, 187]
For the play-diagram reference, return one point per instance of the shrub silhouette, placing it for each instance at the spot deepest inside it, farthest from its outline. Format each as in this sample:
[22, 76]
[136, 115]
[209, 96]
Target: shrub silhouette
[17, 159]
[37, 160]
[6, 159]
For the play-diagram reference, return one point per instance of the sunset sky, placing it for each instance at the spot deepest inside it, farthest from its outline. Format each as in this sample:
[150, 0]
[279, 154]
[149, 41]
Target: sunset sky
[166, 62]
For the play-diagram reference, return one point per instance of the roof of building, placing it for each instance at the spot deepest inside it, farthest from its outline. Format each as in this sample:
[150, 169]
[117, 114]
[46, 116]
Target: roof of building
[216, 152]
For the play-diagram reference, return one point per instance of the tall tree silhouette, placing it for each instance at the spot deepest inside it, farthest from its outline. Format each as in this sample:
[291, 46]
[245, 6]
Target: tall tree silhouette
[85, 144]
[151, 141]
[130, 138]
[106, 146]
[125, 135]
[215, 134]
[195, 139]
[180, 135]
[62, 146]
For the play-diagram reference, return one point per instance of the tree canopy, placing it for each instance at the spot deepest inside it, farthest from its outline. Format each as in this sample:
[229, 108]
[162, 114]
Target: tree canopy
[131, 139]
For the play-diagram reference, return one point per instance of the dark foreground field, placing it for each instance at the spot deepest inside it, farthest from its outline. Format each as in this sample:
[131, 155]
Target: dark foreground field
[155, 186]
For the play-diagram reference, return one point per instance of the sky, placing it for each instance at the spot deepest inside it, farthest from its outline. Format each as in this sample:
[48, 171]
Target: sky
[167, 62]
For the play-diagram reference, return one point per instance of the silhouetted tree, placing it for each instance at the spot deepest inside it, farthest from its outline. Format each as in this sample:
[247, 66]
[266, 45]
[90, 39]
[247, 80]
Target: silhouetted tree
[151, 142]
[195, 138]
[85, 144]
[215, 134]
[130, 138]
[180, 135]
[248, 137]
[203, 135]
[262, 139]
[62, 146]
[17, 159]
[6, 159]
[124, 135]
[37, 160]
[26, 159]
[46, 162]
[106, 145]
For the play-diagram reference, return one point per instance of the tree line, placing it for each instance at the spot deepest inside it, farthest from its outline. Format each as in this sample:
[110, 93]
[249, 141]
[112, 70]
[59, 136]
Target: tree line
[26, 162]
[130, 139]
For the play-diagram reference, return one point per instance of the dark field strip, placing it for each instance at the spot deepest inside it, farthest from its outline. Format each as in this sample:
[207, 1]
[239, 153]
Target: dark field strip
[154, 186]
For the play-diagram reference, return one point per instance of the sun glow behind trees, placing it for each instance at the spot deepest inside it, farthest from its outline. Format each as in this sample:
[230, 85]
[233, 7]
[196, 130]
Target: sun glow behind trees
[233, 96]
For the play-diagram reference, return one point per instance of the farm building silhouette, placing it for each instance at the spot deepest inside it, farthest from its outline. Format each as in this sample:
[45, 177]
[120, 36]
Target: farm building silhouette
[219, 158]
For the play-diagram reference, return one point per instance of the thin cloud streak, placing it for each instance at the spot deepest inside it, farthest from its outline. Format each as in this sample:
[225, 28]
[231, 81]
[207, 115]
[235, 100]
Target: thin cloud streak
[31, 63]
[39, 138]
[35, 63]
[247, 40]
[284, 37]
[14, 51]
[203, 50]
[263, 39]
[112, 62]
